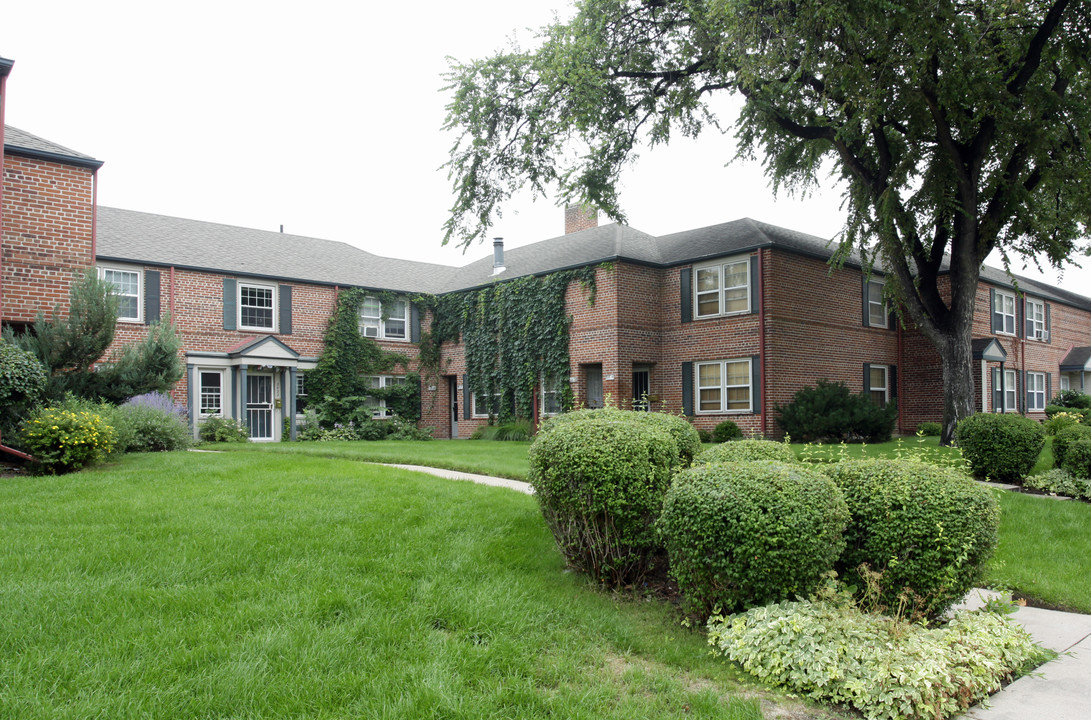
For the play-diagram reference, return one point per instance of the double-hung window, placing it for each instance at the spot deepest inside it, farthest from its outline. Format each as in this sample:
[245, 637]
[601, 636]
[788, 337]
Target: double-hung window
[300, 392]
[1011, 395]
[127, 287]
[878, 384]
[393, 327]
[549, 403]
[878, 315]
[485, 404]
[379, 410]
[1036, 320]
[256, 307]
[1036, 391]
[212, 391]
[723, 288]
[723, 386]
[1004, 313]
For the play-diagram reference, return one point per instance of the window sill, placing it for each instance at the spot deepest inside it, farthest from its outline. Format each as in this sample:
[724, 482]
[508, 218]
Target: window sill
[723, 315]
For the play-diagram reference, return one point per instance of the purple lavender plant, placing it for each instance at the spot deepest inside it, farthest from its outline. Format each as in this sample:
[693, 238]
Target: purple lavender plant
[159, 401]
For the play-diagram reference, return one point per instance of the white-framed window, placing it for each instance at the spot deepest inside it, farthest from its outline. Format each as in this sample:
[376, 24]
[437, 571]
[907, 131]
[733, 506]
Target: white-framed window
[257, 307]
[212, 392]
[1011, 394]
[723, 386]
[1036, 391]
[128, 287]
[1036, 320]
[1004, 313]
[300, 392]
[878, 314]
[879, 384]
[722, 288]
[394, 327]
[379, 410]
[549, 401]
[478, 407]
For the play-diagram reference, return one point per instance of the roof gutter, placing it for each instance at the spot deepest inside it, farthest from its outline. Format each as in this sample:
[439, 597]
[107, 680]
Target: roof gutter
[89, 163]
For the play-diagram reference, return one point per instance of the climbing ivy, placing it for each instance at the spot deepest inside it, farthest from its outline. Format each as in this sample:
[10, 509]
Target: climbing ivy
[349, 358]
[514, 332]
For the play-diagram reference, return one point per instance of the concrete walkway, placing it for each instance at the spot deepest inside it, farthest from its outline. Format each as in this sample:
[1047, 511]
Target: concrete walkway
[1059, 690]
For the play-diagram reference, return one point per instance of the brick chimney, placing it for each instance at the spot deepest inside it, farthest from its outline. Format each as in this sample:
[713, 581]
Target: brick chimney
[580, 217]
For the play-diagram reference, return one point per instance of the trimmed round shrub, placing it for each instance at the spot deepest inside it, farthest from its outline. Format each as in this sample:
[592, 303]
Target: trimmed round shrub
[22, 381]
[1077, 460]
[704, 435]
[151, 429]
[999, 446]
[218, 429]
[600, 478]
[745, 450]
[750, 533]
[1064, 440]
[927, 528]
[63, 441]
[930, 429]
[686, 439]
[726, 431]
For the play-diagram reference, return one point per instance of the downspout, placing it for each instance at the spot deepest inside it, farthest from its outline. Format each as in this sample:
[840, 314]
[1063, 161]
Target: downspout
[94, 216]
[761, 337]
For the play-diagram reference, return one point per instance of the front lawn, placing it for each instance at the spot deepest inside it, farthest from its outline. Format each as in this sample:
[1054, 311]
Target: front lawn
[264, 585]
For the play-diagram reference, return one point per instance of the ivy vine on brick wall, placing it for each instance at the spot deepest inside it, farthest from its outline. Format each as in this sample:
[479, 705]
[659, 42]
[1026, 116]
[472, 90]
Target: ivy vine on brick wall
[349, 358]
[514, 332]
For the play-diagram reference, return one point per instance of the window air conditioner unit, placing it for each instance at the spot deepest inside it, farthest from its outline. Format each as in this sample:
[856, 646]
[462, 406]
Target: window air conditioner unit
[1042, 335]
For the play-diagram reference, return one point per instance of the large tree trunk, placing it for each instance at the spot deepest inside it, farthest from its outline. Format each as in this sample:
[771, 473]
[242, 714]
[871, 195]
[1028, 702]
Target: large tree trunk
[956, 358]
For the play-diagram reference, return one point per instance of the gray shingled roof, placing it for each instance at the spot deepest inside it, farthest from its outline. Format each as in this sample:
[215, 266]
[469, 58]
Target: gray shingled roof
[20, 140]
[125, 235]
[144, 237]
[1076, 359]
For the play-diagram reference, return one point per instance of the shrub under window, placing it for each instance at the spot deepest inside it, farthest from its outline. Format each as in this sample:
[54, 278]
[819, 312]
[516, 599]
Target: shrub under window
[829, 411]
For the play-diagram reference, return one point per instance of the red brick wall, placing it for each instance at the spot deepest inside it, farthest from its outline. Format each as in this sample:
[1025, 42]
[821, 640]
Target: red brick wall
[47, 217]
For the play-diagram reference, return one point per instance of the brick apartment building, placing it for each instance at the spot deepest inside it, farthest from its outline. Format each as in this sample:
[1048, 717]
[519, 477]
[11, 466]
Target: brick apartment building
[721, 322]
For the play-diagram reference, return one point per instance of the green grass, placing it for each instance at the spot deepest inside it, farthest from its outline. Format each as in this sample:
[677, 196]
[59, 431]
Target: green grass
[264, 585]
[500, 459]
[1044, 549]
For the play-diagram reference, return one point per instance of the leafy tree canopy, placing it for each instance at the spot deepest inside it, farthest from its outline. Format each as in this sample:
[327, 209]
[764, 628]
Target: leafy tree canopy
[957, 127]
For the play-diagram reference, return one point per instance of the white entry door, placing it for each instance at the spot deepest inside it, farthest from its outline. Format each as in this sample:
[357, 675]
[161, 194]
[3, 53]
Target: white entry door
[259, 406]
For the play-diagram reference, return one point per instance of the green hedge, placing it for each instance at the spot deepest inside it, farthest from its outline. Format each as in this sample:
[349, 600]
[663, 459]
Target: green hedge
[745, 450]
[600, 477]
[750, 533]
[1077, 459]
[1064, 439]
[999, 446]
[927, 528]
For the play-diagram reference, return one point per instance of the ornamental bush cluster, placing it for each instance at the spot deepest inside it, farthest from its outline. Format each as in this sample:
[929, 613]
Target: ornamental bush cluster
[829, 411]
[927, 532]
[600, 477]
[750, 533]
[1066, 440]
[1000, 446]
[221, 429]
[63, 441]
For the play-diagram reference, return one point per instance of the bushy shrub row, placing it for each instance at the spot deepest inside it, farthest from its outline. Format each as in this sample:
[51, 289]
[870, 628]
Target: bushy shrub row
[829, 411]
[600, 477]
[394, 428]
[750, 533]
[1000, 446]
[886, 669]
[222, 429]
[1060, 482]
[1065, 439]
[1072, 399]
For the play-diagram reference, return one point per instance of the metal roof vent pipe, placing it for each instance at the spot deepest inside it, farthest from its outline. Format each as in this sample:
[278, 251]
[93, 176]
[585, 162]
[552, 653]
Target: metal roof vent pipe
[497, 255]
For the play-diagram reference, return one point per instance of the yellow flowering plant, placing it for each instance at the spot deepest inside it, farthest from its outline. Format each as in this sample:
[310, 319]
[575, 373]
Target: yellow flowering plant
[63, 441]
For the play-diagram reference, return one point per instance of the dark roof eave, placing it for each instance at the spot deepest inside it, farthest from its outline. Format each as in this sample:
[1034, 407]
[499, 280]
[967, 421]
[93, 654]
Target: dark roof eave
[89, 163]
[5, 66]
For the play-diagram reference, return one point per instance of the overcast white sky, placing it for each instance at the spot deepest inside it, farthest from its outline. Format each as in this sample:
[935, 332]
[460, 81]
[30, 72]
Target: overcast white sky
[325, 117]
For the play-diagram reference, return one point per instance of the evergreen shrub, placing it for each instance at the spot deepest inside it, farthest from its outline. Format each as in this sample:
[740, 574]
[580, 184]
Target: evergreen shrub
[744, 450]
[63, 441]
[1077, 459]
[726, 431]
[23, 381]
[1072, 399]
[750, 533]
[1000, 446]
[600, 476]
[920, 526]
[1064, 439]
[221, 429]
[829, 412]
[930, 429]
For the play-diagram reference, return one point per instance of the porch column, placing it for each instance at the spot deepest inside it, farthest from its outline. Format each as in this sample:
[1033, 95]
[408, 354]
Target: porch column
[291, 403]
[984, 385]
[241, 417]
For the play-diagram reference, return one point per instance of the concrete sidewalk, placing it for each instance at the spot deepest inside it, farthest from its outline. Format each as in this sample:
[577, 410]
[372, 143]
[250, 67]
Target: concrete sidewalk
[1059, 690]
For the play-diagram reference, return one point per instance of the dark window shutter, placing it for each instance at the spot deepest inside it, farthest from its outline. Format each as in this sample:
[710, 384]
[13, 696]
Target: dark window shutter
[152, 311]
[992, 310]
[867, 379]
[1020, 316]
[465, 397]
[755, 300]
[1049, 335]
[1049, 387]
[285, 309]
[687, 388]
[755, 383]
[686, 276]
[998, 394]
[1024, 396]
[867, 309]
[414, 323]
[892, 378]
[230, 300]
